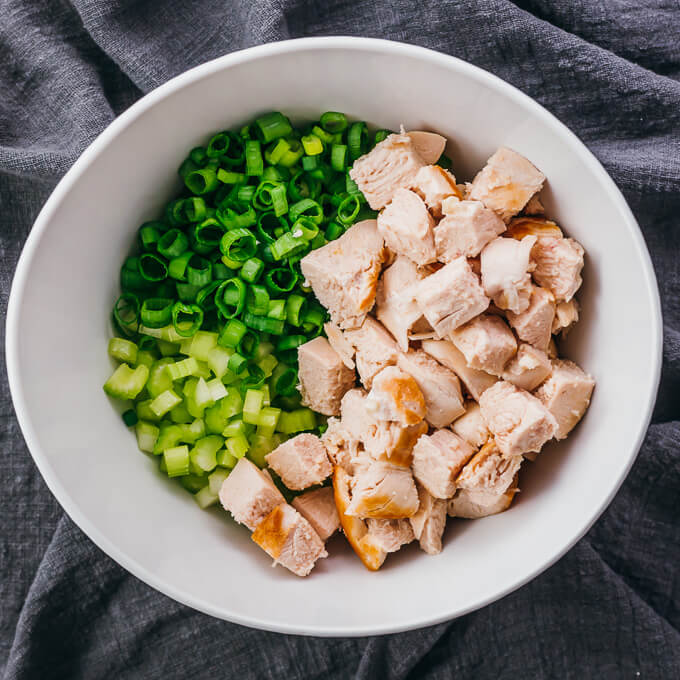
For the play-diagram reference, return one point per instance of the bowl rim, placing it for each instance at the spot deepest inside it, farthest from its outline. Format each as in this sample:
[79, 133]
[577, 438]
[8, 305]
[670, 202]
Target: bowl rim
[99, 144]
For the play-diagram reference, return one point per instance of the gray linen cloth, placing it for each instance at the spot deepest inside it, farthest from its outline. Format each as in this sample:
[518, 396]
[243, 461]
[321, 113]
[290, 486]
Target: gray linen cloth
[611, 607]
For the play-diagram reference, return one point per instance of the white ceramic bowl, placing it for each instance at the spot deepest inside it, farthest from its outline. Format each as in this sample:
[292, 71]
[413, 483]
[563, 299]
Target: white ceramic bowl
[58, 327]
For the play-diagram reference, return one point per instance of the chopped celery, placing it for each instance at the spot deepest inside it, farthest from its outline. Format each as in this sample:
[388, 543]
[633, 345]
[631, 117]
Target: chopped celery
[232, 403]
[218, 359]
[177, 460]
[267, 421]
[123, 350]
[205, 498]
[267, 364]
[203, 370]
[159, 381]
[126, 382]
[296, 421]
[167, 349]
[216, 479]
[215, 422]
[167, 333]
[180, 414]
[237, 446]
[193, 482]
[192, 431]
[234, 428]
[252, 405]
[204, 452]
[265, 348]
[217, 389]
[169, 436]
[164, 402]
[202, 394]
[182, 369]
[225, 459]
[145, 358]
[144, 412]
[266, 401]
[147, 435]
[260, 446]
[201, 344]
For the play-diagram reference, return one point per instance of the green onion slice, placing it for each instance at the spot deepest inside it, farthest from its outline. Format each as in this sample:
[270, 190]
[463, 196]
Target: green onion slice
[186, 319]
[156, 312]
[238, 244]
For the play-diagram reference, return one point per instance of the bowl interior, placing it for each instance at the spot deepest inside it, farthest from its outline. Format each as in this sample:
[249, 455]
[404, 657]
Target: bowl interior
[67, 280]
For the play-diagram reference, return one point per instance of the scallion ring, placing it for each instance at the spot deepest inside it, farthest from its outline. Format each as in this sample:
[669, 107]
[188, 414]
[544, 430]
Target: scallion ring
[186, 319]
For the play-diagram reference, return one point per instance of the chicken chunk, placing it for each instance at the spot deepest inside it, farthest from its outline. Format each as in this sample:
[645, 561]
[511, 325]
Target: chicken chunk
[438, 460]
[465, 229]
[447, 354]
[566, 394]
[534, 324]
[429, 145]
[249, 494]
[301, 462]
[439, 385]
[344, 273]
[566, 315]
[474, 504]
[375, 349]
[506, 183]
[534, 206]
[520, 227]
[429, 522]
[391, 164]
[383, 490]
[506, 263]
[434, 184]
[339, 343]
[528, 369]
[355, 529]
[390, 534]
[518, 420]
[407, 227]
[395, 395]
[486, 343]
[318, 508]
[324, 379]
[342, 448]
[396, 305]
[488, 471]
[288, 538]
[471, 426]
[451, 296]
[559, 262]
[382, 439]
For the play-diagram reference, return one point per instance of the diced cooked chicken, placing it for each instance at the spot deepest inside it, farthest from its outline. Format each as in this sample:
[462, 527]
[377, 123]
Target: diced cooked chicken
[249, 494]
[566, 315]
[518, 420]
[344, 273]
[391, 164]
[301, 462]
[451, 296]
[395, 395]
[339, 343]
[429, 145]
[396, 305]
[439, 385]
[472, 504]
[534, 324]
[318, 508]
[506, 183]
[447, 354]
[534, 206]
[506, 263]
[438, 460]
[355, 529]
[383, 490]
[375, 349]
[288, 538]
[429, 522]
[520, 227]
[559, 262]
[566, 394]
[465, 229]
[552, 349]
[434, 184]
[528, 369]
[486, 343]
[324, 379]
[488, 471]
[382, 439]
[390, 534]
[407, 227]
[471, 426]
[342, 448]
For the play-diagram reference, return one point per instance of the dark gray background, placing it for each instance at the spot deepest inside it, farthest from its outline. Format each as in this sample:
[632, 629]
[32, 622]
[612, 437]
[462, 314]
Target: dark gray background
[611, 607]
